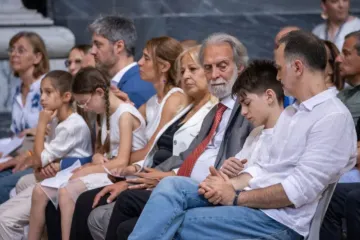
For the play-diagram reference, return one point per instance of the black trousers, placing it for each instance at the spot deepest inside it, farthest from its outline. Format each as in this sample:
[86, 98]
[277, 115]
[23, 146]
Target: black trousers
[83, 208]
[79, 227]
[127, 210]
[53, 222]
[345, 204]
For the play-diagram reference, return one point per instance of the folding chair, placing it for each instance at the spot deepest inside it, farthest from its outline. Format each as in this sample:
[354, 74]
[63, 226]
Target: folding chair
[314, 233]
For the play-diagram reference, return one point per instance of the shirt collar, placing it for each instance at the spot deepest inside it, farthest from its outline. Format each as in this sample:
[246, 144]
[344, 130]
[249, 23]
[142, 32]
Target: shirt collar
[118, 76]
[315, 100]
[228, 101]
[36, 85]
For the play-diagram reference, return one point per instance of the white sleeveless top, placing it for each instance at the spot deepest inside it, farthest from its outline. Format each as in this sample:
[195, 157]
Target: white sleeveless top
[154, 110]
[138, 139]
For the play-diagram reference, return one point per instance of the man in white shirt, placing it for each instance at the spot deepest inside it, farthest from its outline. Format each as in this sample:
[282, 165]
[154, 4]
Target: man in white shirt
[223, 58]
[261, 97]
[314, 141]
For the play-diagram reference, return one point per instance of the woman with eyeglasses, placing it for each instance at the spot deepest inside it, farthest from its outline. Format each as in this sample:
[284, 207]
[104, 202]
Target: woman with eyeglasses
[29, 61]
[79, 57]
[332, 71]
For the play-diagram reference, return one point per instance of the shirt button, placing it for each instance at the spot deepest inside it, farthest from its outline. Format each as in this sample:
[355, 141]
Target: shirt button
[175, 142]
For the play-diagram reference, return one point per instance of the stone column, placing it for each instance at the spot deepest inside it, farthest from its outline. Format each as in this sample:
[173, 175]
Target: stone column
[14, 17]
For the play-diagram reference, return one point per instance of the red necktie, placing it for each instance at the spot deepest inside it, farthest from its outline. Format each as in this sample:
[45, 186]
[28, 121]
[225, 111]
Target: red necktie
[187, 166]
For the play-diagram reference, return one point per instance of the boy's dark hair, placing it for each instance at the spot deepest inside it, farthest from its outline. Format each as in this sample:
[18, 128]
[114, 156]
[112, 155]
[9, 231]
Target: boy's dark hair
[306, 46]
[259, 76]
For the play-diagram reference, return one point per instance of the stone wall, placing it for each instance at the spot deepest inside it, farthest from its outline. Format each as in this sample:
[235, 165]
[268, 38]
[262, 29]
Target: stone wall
[255, 22]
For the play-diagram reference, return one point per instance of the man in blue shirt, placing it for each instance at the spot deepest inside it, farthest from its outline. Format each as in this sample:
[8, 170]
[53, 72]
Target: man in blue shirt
[113, 47]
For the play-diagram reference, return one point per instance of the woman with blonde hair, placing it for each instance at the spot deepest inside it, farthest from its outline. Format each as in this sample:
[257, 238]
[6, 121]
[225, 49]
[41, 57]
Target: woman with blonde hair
[174, 138]
[157, 66]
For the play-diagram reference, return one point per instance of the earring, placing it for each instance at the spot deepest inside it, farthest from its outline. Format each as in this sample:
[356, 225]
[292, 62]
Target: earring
[324, 15]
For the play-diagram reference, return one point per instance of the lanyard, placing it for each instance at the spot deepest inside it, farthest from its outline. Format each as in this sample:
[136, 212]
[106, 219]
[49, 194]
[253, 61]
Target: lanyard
[337, 33]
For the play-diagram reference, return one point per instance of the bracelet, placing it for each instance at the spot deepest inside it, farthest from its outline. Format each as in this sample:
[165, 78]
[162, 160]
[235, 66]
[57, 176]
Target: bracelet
[237, 194]
[30, 153]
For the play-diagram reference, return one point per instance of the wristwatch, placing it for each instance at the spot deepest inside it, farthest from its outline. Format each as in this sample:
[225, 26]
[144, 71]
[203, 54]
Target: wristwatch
[237, 194]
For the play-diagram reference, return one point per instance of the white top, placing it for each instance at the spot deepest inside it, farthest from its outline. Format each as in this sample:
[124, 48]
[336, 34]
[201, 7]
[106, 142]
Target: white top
[26, 116]
[118, 76]
[138, 138]
[256, 145]
[71, 138]
[313, 144]
[183, 136]
[154, 110]
[208, 157]
[348, 27]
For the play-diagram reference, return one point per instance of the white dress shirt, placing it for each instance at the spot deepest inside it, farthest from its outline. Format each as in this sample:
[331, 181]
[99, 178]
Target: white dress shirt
[313, 144]
[69, 138]
[208, 157]
[118, 76]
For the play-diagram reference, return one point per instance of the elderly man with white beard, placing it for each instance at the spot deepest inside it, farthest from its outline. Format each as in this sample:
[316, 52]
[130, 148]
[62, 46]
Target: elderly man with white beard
[222, 134]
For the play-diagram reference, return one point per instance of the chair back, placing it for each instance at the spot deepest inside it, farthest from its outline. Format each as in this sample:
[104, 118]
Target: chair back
[314, 233]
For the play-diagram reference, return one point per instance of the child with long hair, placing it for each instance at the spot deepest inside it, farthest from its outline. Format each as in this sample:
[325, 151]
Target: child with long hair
[69, 138]
[121, 131]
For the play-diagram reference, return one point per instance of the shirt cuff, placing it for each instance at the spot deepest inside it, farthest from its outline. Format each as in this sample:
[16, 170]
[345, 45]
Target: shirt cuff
[294, 194]
[254, 171]
[46, 158]
[140, 163]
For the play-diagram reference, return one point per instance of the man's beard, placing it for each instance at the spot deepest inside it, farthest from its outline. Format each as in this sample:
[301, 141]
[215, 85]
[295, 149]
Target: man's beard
[223, 91]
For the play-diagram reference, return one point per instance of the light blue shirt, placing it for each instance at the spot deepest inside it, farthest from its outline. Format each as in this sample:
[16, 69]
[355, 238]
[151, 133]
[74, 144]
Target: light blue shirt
[26, 116]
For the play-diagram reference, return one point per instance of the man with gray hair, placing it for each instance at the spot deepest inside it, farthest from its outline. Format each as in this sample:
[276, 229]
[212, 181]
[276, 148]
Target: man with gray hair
[113, 47]
[221, 136]
[313, 143]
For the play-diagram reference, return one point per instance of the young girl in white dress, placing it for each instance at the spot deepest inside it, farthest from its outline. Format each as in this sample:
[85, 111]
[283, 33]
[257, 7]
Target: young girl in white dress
[69, 138]
[158, 67]
[121, 131]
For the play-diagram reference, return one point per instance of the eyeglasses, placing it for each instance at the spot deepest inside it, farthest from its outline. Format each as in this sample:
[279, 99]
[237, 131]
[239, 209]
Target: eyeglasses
[69, 62]
[19, 50]
[85, 104]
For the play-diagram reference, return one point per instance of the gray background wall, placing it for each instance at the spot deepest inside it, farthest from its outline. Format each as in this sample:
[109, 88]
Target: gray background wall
[254, 22]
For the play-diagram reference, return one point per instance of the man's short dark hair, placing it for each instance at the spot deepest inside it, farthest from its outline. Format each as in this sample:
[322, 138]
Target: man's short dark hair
[356, 35]
[306, 46]
[259, 76]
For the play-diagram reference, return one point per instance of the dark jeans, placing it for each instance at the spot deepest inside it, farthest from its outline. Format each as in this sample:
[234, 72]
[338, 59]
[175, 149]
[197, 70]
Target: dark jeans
[127, 210]
[8, 181]
[345, 204]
